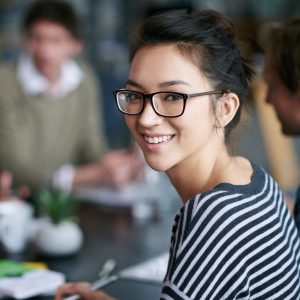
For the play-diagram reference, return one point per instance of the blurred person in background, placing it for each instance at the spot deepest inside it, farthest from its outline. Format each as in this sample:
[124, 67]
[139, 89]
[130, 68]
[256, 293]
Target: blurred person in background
[50, 130]
[282, 74]
[233, 237]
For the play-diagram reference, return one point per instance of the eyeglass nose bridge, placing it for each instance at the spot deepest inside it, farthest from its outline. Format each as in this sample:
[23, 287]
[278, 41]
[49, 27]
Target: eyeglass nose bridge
[151, 99]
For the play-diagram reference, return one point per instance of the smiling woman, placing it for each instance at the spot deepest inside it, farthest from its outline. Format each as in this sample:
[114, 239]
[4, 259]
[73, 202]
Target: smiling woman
[233, 238]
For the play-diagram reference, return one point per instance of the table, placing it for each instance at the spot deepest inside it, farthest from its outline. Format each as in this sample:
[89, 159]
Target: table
[112, 233]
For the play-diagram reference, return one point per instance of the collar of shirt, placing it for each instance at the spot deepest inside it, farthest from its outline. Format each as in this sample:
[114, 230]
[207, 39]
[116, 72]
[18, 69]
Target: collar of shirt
[33, 83]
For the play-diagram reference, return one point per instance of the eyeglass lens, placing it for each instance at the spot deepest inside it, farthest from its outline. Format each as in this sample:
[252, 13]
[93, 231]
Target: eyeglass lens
[166, 104]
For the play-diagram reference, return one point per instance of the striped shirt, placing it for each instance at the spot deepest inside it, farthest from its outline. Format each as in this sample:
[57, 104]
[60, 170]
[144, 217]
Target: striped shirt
[297, 209]
[235, 242]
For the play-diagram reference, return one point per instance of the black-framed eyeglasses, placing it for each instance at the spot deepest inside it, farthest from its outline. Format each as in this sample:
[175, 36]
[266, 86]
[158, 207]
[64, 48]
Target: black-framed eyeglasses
[165, 104]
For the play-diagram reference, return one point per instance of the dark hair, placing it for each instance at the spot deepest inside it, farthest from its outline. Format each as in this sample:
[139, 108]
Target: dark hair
[55, 11]
[207, 39]
[282, 42]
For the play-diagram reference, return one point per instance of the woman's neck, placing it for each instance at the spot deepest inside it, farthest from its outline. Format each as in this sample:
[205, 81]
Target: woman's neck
[197, 176]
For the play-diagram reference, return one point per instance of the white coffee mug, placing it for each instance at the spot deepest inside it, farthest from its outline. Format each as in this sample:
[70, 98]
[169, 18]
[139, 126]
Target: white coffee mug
[15, 220]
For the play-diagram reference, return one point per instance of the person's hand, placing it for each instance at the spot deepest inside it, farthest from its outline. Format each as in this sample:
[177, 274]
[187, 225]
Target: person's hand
[83, 289]
[121, 167]
[116, 169]
[6, 180]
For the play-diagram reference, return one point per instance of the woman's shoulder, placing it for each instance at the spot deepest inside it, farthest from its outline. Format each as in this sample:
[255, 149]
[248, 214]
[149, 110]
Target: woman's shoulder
[227, 205]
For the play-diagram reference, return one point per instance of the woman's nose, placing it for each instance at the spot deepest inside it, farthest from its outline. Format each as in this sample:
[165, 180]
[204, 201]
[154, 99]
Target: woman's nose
[149, 117]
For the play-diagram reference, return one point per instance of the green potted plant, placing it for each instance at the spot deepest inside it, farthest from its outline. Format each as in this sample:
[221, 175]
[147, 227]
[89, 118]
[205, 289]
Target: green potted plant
[58, 233]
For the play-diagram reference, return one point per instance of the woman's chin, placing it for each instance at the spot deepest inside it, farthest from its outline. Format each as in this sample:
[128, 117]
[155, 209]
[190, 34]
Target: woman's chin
[157, 166]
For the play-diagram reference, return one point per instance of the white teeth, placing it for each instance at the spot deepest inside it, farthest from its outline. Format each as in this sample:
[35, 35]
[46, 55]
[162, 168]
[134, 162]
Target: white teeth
[156, 140]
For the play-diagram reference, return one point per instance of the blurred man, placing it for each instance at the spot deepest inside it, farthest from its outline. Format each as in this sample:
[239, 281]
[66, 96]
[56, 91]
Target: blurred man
[49, 110]
[282, 74]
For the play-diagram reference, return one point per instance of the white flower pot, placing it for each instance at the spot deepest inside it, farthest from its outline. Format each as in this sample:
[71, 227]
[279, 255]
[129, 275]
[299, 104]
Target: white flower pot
[59, 239]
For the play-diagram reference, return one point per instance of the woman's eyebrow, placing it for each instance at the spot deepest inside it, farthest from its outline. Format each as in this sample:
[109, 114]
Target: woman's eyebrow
[133, 83]
[174, 82]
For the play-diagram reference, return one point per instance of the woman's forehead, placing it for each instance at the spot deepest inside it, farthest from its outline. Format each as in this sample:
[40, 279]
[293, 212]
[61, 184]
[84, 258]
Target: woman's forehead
[164, 63]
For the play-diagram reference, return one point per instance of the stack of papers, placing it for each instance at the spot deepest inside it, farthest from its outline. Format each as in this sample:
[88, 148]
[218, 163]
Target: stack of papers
[21, 281]
[152, 270]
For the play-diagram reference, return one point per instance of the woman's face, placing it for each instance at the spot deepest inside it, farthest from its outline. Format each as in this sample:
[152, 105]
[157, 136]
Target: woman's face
[169, 142]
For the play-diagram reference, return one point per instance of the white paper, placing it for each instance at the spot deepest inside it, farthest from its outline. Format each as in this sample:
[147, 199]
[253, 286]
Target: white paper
[152, 270]
[31, 284]
[122, 197]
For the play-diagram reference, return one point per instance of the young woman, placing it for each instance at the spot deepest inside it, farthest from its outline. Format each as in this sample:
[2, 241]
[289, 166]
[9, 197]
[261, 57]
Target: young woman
[233, 238]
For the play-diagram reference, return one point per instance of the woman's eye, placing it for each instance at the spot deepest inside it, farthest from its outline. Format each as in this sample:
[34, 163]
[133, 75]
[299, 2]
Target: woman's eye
[133, 97]
[173, 97]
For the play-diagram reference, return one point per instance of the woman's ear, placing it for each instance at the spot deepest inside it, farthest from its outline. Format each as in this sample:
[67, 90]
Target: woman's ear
[227, 107]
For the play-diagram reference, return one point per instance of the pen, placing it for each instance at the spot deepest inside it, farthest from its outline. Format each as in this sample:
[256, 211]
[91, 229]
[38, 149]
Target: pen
[96, 285]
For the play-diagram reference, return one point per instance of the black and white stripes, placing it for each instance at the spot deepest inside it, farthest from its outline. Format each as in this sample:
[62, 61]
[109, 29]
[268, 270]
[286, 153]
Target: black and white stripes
[235, 242]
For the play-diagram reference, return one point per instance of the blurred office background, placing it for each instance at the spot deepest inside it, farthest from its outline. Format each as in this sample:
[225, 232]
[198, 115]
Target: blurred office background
[106, 28]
